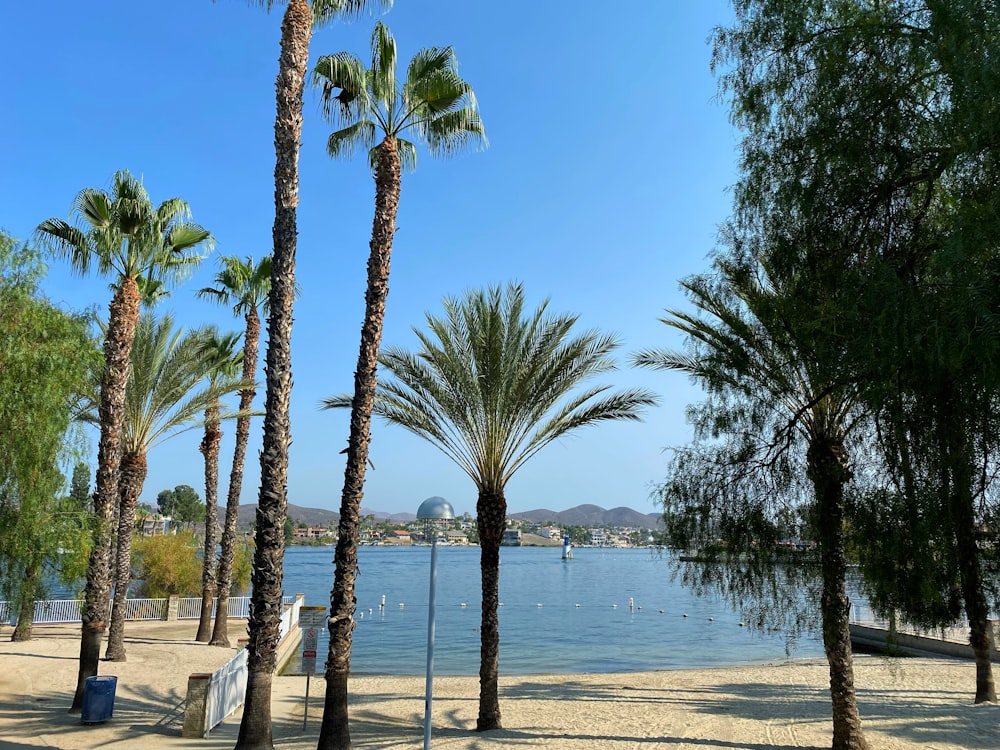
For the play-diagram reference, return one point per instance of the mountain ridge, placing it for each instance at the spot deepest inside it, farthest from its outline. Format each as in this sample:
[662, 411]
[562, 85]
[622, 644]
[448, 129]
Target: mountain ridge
[580, 515]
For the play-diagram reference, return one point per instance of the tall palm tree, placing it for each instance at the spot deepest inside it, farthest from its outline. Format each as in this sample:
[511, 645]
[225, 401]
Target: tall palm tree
[490, 388]
[162, 400]
[127, 238]
[245, 286]
[438, 108]
[761, 355]
[222, 360]
[265, 606]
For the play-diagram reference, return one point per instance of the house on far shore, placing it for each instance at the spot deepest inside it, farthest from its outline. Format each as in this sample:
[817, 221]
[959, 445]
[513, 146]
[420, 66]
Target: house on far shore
[312, 532]
[511, 538]
[598, 537]
[156, 526]
[398, 536]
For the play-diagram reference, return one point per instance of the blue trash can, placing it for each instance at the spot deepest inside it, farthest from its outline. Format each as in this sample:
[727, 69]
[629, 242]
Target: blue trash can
[98, 699]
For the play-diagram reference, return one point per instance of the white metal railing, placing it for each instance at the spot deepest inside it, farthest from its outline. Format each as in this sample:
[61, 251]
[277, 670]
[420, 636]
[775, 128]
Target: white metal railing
[862, 614]
[289, 616]
[226, 690]
[57, 610]
[68, 610]
[228, 685]
[146, 609]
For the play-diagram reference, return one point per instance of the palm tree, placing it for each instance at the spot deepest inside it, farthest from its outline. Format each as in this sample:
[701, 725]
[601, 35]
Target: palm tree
[265, 607]
[127, 238]
[438, 108]
[244, 285]
[490, 388]
[222, 361]
[764, 362]
[161, 401]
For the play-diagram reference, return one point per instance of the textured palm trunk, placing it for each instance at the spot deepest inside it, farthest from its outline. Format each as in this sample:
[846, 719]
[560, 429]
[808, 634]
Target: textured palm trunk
[26, 604]
[123, 313]
[334, 731]
[828, 470]
[491, 517]
[133, 475]
[227, 554]
[265, 601]
[210, 450]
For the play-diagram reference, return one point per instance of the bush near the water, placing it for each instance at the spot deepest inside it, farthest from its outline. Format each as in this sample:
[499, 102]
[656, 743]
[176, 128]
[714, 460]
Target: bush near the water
[170, 565]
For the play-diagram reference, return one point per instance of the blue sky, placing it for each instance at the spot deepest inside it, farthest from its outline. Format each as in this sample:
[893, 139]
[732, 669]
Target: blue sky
[604, 184]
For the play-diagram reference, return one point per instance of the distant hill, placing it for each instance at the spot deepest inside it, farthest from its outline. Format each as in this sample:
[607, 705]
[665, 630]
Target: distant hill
[309, 516]
[592, 515]
[581, 515]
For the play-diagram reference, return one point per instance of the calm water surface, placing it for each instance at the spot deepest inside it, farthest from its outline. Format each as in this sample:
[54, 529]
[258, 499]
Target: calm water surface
[558, 616]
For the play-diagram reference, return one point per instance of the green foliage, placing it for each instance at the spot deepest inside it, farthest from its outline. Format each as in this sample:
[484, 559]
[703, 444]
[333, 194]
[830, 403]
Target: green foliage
[45, 357]
[433, 103]
[167, 565]
[79, 488]
[182, 503]
[242, 567]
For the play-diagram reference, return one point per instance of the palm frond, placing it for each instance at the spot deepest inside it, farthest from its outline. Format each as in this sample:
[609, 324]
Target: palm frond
[382, 78]
[490, 385]
[341, 143]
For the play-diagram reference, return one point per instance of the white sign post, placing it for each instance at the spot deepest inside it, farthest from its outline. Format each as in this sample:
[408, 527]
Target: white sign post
[311, 619]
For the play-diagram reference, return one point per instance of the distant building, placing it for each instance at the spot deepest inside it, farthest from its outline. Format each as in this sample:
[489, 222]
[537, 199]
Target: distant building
[511, 538]
[550, 532]
[399, 536]
[457, 538]
[597, 537]
[312, 532]
[156, 526]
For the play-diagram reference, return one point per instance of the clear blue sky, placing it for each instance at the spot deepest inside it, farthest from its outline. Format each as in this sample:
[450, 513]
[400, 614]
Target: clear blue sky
[604, 184]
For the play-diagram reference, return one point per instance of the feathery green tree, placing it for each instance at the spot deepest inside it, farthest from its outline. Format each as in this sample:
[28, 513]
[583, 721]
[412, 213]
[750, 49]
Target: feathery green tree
[46, 355]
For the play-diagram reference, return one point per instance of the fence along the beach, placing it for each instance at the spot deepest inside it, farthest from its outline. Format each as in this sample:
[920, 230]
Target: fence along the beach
[213, 697]
[48, 612]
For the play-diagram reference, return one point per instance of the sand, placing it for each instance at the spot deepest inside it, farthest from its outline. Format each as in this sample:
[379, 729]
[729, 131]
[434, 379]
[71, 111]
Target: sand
[904, 703]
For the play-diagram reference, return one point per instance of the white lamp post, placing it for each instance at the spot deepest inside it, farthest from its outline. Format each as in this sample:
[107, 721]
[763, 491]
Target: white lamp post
[430, 510]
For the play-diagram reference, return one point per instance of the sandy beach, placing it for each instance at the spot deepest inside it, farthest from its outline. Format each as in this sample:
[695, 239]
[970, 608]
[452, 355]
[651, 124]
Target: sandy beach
[905, 703]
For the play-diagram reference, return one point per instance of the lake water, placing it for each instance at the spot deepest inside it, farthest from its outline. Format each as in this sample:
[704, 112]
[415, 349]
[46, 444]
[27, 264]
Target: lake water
[558, 616]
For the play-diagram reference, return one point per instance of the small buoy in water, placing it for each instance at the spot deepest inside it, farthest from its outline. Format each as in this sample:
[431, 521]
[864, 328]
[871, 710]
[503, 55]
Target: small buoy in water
[464, 604]
[578, 606]
[741, 624]
[369, 610]
[685, 614]
[539, 604]
[711, 619]
[401, 605]
[661, 611]
[614, 606]
[501, 604]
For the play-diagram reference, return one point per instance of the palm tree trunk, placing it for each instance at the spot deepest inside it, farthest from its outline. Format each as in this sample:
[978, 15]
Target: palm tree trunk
[133, 475]
[491, 517]
[210, 450]
[220, 633]
[334, 731]
[828, 470]
[265, 601]
[123, 313]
